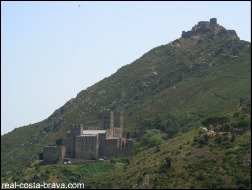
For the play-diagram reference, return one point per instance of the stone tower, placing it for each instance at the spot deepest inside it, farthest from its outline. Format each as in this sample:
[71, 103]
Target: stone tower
[76, 130]
[213, 21]
[112, 120]
[118, 119]
[118, 124]
[107, 119]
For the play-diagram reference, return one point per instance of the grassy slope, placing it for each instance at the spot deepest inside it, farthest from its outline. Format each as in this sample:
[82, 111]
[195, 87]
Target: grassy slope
[206, 167]
[211, 166]
[207, 82]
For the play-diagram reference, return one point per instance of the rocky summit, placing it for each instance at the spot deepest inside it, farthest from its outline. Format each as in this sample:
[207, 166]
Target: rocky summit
[209, 30]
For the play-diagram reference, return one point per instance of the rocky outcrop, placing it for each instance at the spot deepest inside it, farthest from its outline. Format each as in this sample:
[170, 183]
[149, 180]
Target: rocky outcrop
[209, 29]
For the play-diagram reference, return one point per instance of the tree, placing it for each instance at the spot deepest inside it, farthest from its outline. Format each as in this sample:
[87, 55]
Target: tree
[150, 139]
[168, 161]
[237, 116]
[226, 127]
[166, 165]
[242, 125]
[214, 121]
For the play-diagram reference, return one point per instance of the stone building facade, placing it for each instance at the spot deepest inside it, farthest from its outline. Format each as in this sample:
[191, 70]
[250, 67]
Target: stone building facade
[108, 141]
[53, 154]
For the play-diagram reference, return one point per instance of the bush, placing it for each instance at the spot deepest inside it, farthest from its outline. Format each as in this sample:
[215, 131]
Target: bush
[41, 156]
[167, 165]
[149, 140]
[165, 123]
[243, 183]
[218, 140]
[243, 124]
[214, 121]
[201, 140]
[124, 160]
[225, 128]
[199, 176]
[137, 148]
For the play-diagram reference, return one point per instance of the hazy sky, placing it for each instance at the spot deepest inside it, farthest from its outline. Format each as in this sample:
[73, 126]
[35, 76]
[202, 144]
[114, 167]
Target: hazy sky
[53, 50]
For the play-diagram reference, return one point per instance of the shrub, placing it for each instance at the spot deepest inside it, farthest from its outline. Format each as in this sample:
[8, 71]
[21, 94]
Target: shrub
[149, 140]
[41, 156]
[243, 183]
[243, 124]
[137, 148]
[214, 121]
[165, 123]
[166, 165]
[218, 140]
[201, 140]
[124, 160]
[225, 128]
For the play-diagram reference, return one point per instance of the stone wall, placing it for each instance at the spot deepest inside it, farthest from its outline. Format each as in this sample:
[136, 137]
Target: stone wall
[70, 141]
[53, 154]
[128, 147]
[102, 145]
[117, 133]
[200, 28]
[87, 147]
[108, 147]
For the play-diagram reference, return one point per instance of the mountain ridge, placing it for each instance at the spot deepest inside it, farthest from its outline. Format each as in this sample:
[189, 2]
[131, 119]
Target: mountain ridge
[176, 78]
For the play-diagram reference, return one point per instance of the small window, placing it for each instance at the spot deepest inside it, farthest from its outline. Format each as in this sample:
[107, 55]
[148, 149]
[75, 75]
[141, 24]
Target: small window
[86, 143]
[92, 143]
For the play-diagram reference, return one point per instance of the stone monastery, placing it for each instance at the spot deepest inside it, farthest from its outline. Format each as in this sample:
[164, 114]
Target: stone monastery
[81, 143]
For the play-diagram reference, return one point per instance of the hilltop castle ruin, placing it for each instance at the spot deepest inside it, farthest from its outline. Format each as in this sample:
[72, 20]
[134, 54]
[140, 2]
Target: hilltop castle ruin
[202, 26]
[81, 143]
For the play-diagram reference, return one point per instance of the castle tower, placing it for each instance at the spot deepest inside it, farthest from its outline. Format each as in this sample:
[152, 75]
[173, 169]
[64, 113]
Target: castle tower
[183, 34]
[76, 130]
[118, 124]
[213, 21]
[118, 119]
[107, 119]
[112, 120]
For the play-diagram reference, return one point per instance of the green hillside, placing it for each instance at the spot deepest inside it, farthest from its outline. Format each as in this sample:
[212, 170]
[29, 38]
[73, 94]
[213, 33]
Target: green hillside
[181, 83]
[182, 162]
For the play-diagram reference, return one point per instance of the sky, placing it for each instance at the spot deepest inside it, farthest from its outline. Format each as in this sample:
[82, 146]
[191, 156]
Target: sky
[50, 51]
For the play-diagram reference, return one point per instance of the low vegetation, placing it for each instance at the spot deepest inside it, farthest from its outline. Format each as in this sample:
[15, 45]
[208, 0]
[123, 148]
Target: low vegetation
[150, 139]
[219, 158]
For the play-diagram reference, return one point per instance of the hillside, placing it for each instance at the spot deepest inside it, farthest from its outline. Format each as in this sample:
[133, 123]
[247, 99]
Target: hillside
[203, 74]
[192, 165]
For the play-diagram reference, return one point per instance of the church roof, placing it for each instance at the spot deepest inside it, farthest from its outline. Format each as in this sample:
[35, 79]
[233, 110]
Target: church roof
[93, 132]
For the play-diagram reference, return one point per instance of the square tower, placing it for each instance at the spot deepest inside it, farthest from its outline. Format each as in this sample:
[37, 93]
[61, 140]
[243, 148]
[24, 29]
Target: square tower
[213, 21]
[107, 119]
[112, 120]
